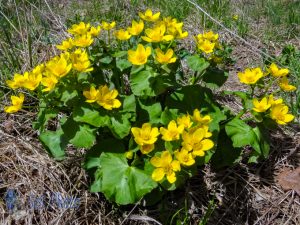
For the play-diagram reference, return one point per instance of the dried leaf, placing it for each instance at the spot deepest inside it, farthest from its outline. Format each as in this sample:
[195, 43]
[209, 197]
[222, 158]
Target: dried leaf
[290, 180]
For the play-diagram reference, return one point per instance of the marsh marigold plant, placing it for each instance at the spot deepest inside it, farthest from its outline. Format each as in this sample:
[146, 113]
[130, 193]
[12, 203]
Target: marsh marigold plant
[142, 107]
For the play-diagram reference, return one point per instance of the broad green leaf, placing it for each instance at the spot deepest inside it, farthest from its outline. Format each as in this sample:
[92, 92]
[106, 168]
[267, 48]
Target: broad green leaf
[44, 115]
[84, 137]
[263, 140]
[150, 111]
[148, 83]
[141, 84]
[122, 183]
[196, 63]
[120, 125]
[128, 104]
[241, 134]
[169, 114]
[123, 64]
[80, 135]
[69, 96]
[225, 154]
[119, 54]
[106, 60]
[92, 157]
[214, 77]
[87, 114]
[55, 143]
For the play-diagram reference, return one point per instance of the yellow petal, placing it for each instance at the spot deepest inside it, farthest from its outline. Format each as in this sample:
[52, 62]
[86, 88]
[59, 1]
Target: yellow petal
[158, 174]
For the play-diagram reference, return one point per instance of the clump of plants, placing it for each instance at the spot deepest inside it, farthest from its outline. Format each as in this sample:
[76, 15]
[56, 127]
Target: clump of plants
[143, 107]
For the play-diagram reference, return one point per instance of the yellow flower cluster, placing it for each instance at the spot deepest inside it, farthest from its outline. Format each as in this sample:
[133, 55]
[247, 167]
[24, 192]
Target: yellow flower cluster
[207, 41]
[103, 96]
[277, 109]
[253, 75]
[191, 131]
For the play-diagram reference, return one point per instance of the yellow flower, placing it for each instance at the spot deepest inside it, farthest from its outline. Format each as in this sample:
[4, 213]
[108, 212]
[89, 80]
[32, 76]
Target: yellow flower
[184, 157]
[129, 154]
[83, 41]
[145, 135]
[32, 80]
[80, 61]
[174, 28]
[91, 95]
[272, 102]
[261, 106]
[210, 36]
[157, 34]
[201, 120]
[279, 113]
[140, 56]
[65, 45]
[206, 46]
[173, 132]
[196, 141]
[276, 72]
[79, 29]
[250, 76]
[122, 35]
[94, 31]
[17, 81]
[49, 81]
[145, 149]
[108, 26]
[107, 98]
[59, 65]
[17, 102]
[136, 27]
[149, 16]
[164, 58]
[165, 166]
[285, 86]
[185, 120]
[235, 17]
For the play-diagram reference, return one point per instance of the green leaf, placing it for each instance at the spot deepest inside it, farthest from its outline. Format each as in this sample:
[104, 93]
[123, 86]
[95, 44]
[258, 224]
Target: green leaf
[92, 157]
[123, 64]
[122, 183]
[80, 135]
[119, 54]
[241, 134]
[55, 142]
[214, 77]
[140, 83]
[120, 125]
[106, 60]
[150, 110]
[44, 115]
[168, 115]
[197, 63]
[148, 83]
[87, 114]
[225, 154]
[69, 96]
[128, 104]
[263, 140]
